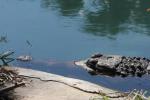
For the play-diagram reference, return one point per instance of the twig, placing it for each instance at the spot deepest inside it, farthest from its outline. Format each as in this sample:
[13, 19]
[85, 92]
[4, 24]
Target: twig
[7, 89]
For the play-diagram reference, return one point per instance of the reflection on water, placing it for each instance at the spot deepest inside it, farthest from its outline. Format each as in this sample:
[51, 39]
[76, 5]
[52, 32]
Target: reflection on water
[65, 7]
[118, 17]
[106, 17]
[3, 39]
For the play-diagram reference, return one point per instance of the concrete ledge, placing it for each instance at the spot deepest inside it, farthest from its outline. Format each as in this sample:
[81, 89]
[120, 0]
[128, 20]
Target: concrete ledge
[42, 85]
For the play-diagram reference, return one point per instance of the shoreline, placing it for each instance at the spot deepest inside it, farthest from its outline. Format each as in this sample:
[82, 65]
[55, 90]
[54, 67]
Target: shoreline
[41, 85]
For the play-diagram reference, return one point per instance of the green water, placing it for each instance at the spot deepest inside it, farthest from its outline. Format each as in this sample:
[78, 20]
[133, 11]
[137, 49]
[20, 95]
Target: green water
[74, 29]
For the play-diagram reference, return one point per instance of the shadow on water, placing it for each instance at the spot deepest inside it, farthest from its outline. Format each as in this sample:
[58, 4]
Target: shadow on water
[68, 69]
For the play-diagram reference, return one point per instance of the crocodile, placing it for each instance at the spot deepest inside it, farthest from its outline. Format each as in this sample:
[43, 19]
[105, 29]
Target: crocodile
[116, 65]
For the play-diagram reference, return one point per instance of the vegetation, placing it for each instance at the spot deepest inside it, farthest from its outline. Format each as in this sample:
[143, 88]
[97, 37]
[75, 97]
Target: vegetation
[9, 80]
[133, 95]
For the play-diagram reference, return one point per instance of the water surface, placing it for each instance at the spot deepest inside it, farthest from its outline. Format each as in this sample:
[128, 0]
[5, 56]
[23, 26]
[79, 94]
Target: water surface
[73, 29]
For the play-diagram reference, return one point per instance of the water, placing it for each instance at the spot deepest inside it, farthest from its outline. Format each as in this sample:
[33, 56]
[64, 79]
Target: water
[67, 30]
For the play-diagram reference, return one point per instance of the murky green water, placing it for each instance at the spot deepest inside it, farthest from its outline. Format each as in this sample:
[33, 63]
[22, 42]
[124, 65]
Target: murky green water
[67, 30]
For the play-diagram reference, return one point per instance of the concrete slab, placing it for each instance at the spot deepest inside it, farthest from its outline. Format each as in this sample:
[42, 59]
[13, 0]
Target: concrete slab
[47, 86]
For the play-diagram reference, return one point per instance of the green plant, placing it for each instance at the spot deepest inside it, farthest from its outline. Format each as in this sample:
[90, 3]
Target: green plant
[138, 97]
[105, 98]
